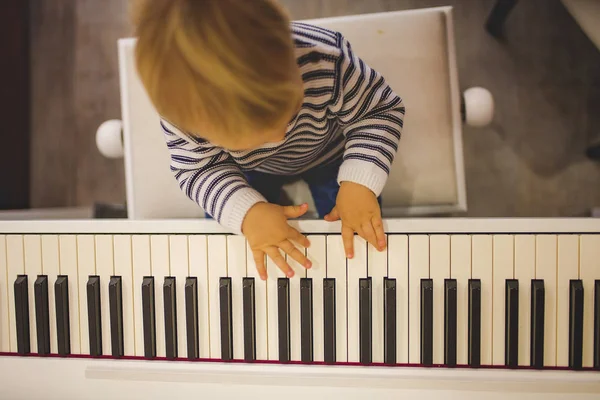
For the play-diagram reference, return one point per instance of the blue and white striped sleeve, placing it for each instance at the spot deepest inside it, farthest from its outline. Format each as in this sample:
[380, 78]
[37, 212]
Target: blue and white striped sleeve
[372, 118]
[211, 178]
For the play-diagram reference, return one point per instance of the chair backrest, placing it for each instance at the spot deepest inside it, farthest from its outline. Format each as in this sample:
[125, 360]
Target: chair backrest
[415, 52]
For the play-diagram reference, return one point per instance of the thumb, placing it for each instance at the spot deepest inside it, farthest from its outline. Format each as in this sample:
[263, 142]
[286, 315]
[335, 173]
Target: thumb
[295, 211]
[334, 215]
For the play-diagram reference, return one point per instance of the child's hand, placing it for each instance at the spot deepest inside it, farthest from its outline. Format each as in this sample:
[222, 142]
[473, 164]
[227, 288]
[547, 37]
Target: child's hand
[267, 230]
[359, 211]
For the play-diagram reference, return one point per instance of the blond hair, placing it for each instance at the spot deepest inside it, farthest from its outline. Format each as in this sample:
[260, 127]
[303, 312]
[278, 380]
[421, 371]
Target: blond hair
[226, 66]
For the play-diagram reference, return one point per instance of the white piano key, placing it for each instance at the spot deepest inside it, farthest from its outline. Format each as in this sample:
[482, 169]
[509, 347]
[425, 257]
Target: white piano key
[15, 266]
[418, 261]
[377, 269]
[179, 261]
[159, 259]
[295, 328]
[86, 266]
[398, 269]
[198, 251]
[336, 269]
[236, 270]
[33, 268]
[545, 268]
[357, 269]
[274, 274]
[68, 266]
[568, 268]
[4, 294]
[105, 268]
[439, 270]
[51, 268]
[524, 272]
[481, 268]
[124, 269]
[140, 256]
[460, 269]
[589, 254]
[317, 254]
[217, 269]
[503, 269]
[260, 302]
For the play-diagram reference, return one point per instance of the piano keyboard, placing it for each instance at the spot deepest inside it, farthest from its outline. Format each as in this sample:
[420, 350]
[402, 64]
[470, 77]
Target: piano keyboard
[473, 293]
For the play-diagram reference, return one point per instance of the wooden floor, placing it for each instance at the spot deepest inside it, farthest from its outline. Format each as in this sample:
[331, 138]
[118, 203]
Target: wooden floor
[545, 77]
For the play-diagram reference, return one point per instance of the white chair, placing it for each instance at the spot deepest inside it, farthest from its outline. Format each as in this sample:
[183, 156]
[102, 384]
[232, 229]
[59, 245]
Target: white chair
[414, 50]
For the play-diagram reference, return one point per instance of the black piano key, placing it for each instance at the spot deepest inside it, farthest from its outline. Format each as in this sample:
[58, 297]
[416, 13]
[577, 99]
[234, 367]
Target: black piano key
[115, 300]
[537, 323]
[94, 315]
[511, 323]
[365, 317]
[426, 321]
[170, 308]
[575, 324]
[306, 320]
[42, 314]
[283, 308]
[191, 320]
[474, 323]
[597, 324]
[329, 344]
[389, 321]
[450, 311]
[22, 314]
[249, 300]
[149, 315]
[226, 319]
[61, 299]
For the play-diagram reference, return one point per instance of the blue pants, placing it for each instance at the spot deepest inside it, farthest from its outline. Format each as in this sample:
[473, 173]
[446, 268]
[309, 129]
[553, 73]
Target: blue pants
[321, 180]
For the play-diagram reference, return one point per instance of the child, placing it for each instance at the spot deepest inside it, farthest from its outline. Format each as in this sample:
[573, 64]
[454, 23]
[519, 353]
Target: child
[249, 101]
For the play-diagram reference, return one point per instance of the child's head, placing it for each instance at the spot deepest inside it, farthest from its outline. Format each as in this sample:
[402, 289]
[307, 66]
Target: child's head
[222, 70]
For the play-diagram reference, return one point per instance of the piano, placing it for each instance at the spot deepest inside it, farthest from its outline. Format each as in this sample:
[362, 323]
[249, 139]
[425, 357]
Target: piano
[161, 308]
[100, 309]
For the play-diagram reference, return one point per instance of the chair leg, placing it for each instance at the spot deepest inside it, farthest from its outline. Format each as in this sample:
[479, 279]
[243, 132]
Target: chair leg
[499, 14]
[593, 152]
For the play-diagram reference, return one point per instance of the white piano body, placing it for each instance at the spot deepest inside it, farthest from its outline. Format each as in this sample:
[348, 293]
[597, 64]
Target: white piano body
[153, 309]
[130, 364]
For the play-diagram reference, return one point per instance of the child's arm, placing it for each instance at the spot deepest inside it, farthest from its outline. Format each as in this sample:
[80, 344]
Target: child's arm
[209, 177]
[372, 118]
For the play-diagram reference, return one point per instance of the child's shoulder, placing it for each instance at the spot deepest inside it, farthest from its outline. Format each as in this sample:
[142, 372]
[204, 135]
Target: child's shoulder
[316, 38]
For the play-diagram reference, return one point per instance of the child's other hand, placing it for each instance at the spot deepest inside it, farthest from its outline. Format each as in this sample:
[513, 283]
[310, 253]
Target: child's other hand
[267, 230]
[357, 207]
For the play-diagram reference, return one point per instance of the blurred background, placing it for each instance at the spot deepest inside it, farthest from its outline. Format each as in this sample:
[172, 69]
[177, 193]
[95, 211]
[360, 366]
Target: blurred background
[60, 81]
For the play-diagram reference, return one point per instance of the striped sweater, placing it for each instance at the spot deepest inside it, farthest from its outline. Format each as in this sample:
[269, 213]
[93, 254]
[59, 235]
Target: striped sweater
[349, 112]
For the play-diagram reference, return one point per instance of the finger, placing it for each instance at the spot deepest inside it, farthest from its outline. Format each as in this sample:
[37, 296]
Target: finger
[296, 254]
[379, 232]
[295, 211]
[275, 255]
[259, 260]
[297, 237]
[348, 238]
[368, 233]
[334, 215]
